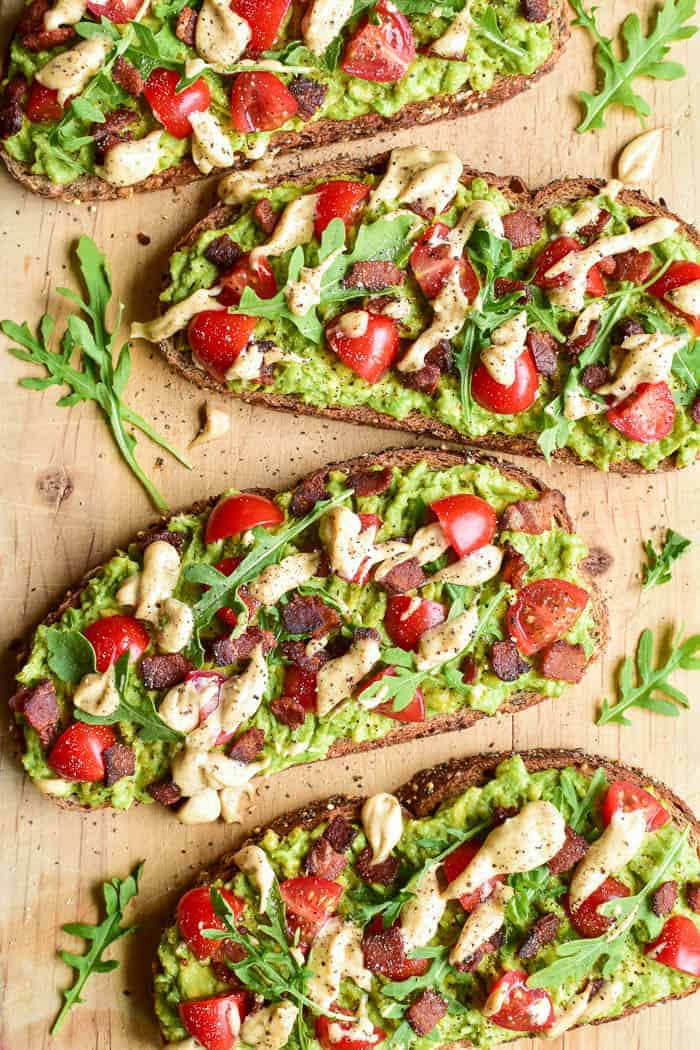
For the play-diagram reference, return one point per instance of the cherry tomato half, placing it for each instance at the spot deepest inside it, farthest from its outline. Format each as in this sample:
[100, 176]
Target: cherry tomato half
[677, 275]
[246, 273]
[678, 945]
[260, 102]
[119, 11]
[468, 522]
[646, 415]
[43, 104]
[406, 629]
[507, 400]
[456, 862]
[623, 796]
[172, 108]
[217, 337]
[382, 48]
[554, 252]
[432, 263]
[264, 20]
[512, 1005]
[371, 351]
[112, 636]
[215, 1022]
[325, 1026]
[414, 711]
[543, 612]
[587, 920]
[310, 901]
[78, 752]
[195, 913]
[235, 514]
[339, 199]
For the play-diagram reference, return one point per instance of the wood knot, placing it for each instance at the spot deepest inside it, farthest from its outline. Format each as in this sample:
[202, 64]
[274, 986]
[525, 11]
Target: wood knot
[55, 487]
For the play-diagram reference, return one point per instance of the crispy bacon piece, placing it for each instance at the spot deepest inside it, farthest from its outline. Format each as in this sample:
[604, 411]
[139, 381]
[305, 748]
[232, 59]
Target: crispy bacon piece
[627, 327]
[594, 376]
[175, 539]
[592, 230]
[128, 77]
[374, 275]
[326, 858]
[426, 379]
[223, 252]
[470, 964]
[695, 410]
[535, 10]
[426, 1011]
[14, 98]
[664, 898]
[506, 661]
[31, 32]
[224, 651]
[513, 567]
[571, 852]
[503, 813]
[120, 761]
[248, 745]
[383, 873]
[582, 342]
[406, 576]
[384, 951]
[288, 711]
[506, 285]
[186, 25]
[470, 670]
[533, 516]
[545, 351]
[116, 128]
[692, 895]
[164, 670]
[39, 706]
[563, 661]
[309, 614]
[165, 791]
[543, 932]
[522, 228]
[340, 833]
[265, 215]
[633, 265]
[307, 494]
[296, 653]
[370, 482]
[310, 95]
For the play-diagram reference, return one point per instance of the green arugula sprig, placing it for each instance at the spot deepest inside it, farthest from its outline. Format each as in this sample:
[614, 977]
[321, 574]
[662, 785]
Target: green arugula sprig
[644, 56]
[117, 894]
[95, 377]
[581, 808]
[653, 691]
[659, 561]
[529, 888]
[578, 958]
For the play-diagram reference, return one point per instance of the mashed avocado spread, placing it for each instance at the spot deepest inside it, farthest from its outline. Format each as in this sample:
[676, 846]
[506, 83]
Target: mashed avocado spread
[401, 508]
[634, 979]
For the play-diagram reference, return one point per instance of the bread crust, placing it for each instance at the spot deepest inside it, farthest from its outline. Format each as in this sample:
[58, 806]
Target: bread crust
[428, 789]
[560, 191]
[312, 135]
[403, 458]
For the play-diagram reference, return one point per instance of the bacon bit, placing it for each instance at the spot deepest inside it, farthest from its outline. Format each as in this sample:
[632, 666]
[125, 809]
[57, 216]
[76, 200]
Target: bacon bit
[594, 376]
[505, 285]
[114, 129]
[592, 230]
[545, 352]
[695, 411]
[309, 94]
[309, 614]
[543, 932]
[186, 25]
[404, 577]
[288, 711]
[470, 964]
[266, 216]
[165, 791]
[426, 379]
[563, 661]
[571, 852]
[522, 228]
[374, 275]
[324, 861]
[535, 10]
[581, 342]
[164, 671]
[307, 494]
[470, 670]
[128, 77]
[39, 706]
[384, 951]
[627, 327]
[533, 516]
[633, 265]
[692, 895]
[514, 566]
[120, 762]
[32, 34]
[223, 252]
[426, 1011]
[248, 745]
[226, 651]
[370, 482]
[175, 539]
[383, 874]
[503, 813]
[506, 661]
[664, 898]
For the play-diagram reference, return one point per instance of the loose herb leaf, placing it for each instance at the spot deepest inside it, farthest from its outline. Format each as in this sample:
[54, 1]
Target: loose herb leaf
[117, 894]
[598, 784]
[142, 714]
[653, 691]
[71, 656]
[658, 567]
[95, 377]
[644, 56]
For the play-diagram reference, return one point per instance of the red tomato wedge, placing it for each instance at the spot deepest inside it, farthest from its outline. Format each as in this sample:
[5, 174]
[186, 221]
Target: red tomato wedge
[621, 795]
[553, 253]
[300, 685]
[507, 400]
[112, 636]
[406, 629]
[243, 274]
[382, 48]
[172, 108]
[543, 612]
[115, 10]
[678, 945]
[43, 104]
[78, 752]
[511, 1004]
[260, 102]
[339, 199]
[370, 352]
[432, 264]
[235, 514]
[264, 20]
[217, 337]
[677, 275]
[587, 920]
[412, 712]
[310, 901]
[347, 1041]
[196, 913]
[455, 863]
[215, 1022]
[468, 522]
[646, 415]
[226, 615]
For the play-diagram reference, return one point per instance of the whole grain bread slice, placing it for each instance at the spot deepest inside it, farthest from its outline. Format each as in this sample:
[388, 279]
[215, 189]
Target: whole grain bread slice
[539, 201]
[403, 458]
[315, 133]
[430, 788]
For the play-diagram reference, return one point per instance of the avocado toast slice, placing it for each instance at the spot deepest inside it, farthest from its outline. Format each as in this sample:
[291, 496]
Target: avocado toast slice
[124, 687]
[455, 310]
[463, 911]
[257, 76]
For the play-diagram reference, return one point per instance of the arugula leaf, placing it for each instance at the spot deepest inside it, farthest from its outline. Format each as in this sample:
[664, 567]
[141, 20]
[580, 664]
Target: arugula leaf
[686, 367]
[577, 958]
[598, 784]
[645, 56]
[117, 894]
[487, 27]
[658, 567]
[528, 888]
[71, 656]
[144, 715]
[96, 377]
[653, 691]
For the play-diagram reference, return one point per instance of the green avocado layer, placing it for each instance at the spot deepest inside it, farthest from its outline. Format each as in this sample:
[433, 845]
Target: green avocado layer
[320, 379]
[181, 976]
[402, 508]
[519, 47]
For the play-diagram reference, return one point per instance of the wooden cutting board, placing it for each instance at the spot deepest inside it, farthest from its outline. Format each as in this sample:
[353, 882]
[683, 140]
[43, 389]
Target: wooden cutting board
[67, 501]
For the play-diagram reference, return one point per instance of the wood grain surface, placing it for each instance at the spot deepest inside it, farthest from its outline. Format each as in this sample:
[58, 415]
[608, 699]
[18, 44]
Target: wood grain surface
[67, 501]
